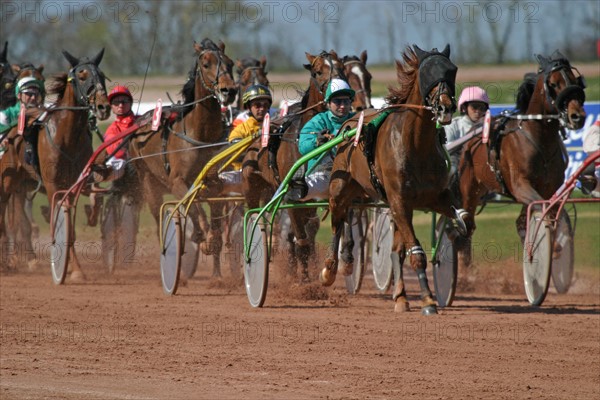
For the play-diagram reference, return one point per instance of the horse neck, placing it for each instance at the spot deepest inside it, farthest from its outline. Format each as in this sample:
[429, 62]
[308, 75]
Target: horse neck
[204, 122]
[71, 124]
[541, 130]
[421, 132]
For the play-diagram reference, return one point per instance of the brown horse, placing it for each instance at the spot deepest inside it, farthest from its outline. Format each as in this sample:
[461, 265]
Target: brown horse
[15, 225]
[359, 79]
[250, 72]
[199, 125]
[526, 158]
[8, 75]
[64, 142]
[262, 174]
[406, 166]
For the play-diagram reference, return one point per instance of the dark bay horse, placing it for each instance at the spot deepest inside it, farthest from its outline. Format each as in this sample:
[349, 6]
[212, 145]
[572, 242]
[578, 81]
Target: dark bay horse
[408, 165]
[17, 223]
[526, 159]
[8, 75]
[184, 147]
[359, 78]
[64, 142]
[250, 72]
[262, 176]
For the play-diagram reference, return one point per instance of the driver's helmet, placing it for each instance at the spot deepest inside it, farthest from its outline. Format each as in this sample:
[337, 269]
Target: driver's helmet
[255, 92]
[28, 82]
[472, 93]
[119, 90]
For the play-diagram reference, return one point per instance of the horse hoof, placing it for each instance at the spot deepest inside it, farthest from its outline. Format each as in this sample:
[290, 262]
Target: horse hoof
[77, 276]
[327, 277]
[348, 269]
[401, 305]
[429, 310]
[32, 265]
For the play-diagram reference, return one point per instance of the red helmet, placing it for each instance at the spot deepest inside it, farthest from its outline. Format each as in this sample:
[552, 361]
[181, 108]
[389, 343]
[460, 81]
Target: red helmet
[119, 91]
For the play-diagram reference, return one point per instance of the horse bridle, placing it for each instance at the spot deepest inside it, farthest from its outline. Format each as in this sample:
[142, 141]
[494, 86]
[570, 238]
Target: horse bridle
[340, 73]
[213, 88]
[91, 85]
[363, 89]
[574, 88]
[432, 98]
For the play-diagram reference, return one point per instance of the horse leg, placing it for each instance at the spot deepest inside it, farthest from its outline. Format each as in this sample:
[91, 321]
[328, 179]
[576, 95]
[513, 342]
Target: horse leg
[418, 261]
[215, 237]
[399, 295]
[348, 245]
[301, 243]
[7, 248]
[23, 227]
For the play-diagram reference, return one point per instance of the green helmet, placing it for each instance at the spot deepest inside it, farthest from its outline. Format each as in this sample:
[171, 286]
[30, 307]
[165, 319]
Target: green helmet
[256, 92]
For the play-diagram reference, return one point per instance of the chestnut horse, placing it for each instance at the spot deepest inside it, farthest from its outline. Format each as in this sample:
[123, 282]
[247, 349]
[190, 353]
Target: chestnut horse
[359, 79]
[210, 85]
[64, 141]
[261, 176]
[407, 168]
[8, 75]
[16, 225]
[526, 158]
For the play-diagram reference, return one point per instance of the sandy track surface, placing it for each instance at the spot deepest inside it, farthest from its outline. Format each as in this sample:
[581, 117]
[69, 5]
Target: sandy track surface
[118, 337]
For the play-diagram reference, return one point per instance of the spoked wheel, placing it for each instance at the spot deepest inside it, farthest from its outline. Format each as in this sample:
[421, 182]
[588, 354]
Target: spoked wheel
[59, 250]
[256, 263]
[359, 226]
[235, 252]
[119, 231]
[383, 240]
[170, 258]
[445, 265]
[189, 257]
[563, 254]
[536, 269]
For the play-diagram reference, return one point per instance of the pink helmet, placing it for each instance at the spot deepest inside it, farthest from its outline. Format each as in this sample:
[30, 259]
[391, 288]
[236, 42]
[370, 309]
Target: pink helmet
[473, 93]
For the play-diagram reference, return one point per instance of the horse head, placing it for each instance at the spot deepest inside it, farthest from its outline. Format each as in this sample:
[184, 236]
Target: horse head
[89, 83]
[251, 72]
[436, 78]
[323, 68]
[7, 80]
[215, 71]
[563, 85]
[359, 79]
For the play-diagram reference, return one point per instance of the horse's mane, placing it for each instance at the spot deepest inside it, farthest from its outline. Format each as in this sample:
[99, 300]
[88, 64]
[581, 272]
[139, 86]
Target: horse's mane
[407, 76]
[525, 91]
[58, 84]
[246, 63]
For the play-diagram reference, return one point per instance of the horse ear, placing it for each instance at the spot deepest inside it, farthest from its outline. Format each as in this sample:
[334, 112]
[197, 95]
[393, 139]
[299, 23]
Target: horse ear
[72, 60]
[421, 54]
[446, 51]
[197, 47]
[96, 60]
[363, 57]
[333, 53]
[238, 65]
[263, 63]
[221, 46]
[4, 52]
[541, 59]
[40, 69]
[310, 58]
[16, 69]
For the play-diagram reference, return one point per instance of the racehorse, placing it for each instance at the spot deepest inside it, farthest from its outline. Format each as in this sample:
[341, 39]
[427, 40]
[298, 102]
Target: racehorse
[525, 158]
[18, 223]
[261, 174]
[250, 72]
[7, 80]
[63, 141]
[359, 79]
[210, 85]
[404, 165]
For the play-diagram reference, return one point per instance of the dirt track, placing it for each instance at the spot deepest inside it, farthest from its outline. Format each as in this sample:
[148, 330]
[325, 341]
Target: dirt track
[118, 336]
